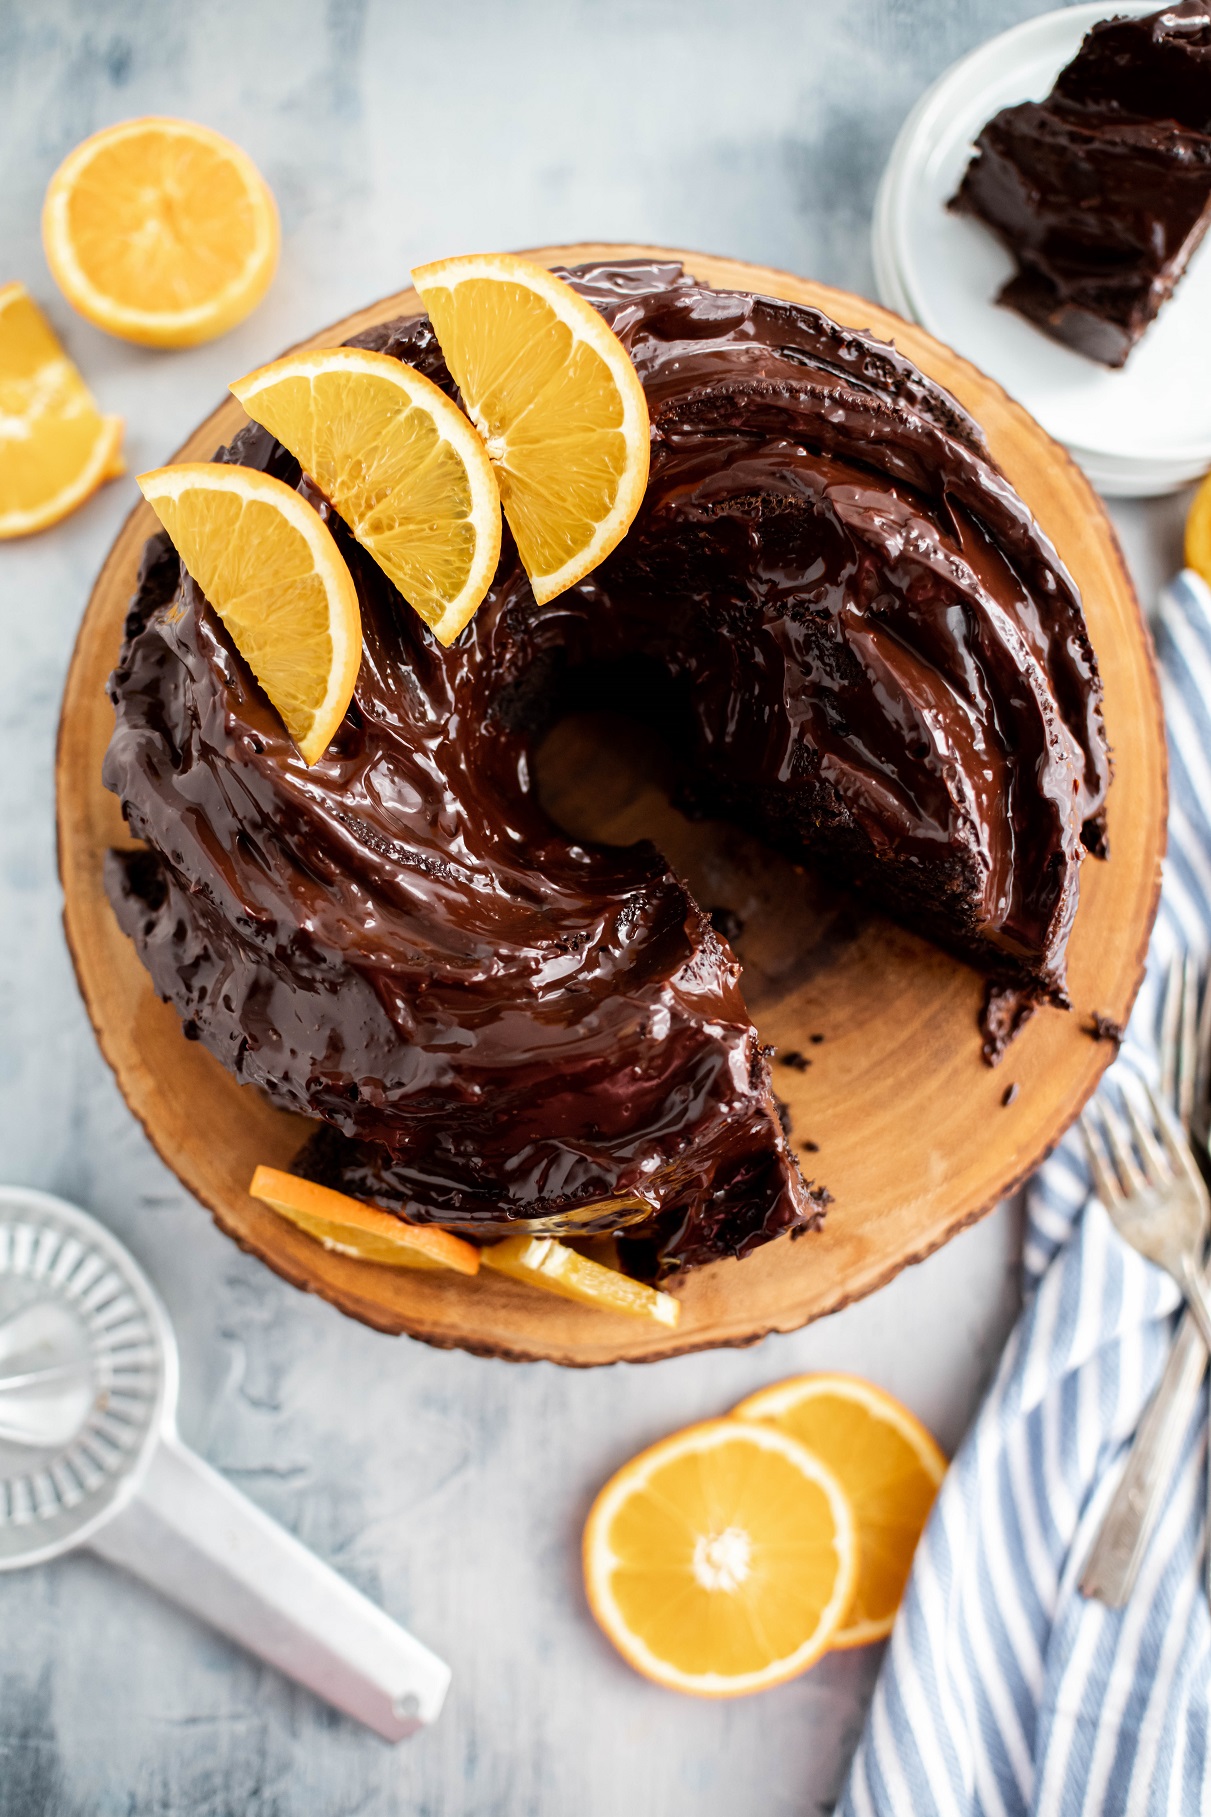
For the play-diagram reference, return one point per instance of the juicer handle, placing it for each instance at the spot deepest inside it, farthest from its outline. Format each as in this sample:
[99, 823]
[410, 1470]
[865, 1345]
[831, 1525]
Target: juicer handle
[189, 1533]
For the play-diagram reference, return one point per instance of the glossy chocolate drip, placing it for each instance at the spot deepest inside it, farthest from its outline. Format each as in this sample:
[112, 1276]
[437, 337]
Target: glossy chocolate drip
[1102, 192]
[872, 654]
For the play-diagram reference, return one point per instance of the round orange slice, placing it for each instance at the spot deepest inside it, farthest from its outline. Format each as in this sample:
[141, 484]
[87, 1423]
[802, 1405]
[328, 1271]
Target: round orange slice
[1198, 532]
[552, 390]
[722, 1560]
[56, 448]
[889, 1468]
[270, 567]
[350, 1228]
[399, 462]
[161, 231]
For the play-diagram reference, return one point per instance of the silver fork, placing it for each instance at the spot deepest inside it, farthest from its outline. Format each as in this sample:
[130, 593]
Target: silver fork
[1114, 1558]
[1148, 1180]
[1185, 1049]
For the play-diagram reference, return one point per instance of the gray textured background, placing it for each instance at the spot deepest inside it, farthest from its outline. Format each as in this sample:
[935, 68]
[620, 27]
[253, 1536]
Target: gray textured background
[452, 1490]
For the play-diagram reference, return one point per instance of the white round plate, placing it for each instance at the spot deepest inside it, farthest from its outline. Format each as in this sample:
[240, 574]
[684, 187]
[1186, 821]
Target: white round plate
[1146, 427]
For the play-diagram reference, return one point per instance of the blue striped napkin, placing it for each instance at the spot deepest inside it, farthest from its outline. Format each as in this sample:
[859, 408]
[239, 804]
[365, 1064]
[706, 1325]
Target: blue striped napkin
[1003, 1690]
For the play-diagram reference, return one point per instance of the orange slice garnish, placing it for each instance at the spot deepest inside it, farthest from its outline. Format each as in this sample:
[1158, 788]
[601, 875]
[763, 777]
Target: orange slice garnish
[544, 1262]
[399, 462]
[552, 390]
[271, 569]
[350, 1228]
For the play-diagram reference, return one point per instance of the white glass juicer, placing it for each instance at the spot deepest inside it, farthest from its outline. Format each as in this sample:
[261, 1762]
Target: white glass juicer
[89, 1456]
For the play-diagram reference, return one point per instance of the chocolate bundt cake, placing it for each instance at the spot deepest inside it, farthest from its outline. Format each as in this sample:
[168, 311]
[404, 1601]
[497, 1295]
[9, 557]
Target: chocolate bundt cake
[870, 653]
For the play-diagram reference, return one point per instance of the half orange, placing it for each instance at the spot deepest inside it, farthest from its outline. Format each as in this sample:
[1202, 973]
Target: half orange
[161, 231]
[722, 1560]
[889, 1467]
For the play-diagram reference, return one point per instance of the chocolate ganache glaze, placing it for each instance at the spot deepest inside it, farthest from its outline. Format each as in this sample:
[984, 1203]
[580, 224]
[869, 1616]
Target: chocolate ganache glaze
[875, 658]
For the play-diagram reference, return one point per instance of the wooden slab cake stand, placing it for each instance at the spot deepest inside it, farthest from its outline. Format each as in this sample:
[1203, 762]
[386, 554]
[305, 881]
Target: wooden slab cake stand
[913, 1135]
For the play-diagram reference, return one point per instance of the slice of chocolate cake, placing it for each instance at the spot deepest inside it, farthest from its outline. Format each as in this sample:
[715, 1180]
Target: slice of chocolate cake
[1102, 192]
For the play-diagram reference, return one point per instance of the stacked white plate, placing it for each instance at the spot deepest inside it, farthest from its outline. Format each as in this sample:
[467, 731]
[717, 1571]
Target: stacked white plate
[1137, 432]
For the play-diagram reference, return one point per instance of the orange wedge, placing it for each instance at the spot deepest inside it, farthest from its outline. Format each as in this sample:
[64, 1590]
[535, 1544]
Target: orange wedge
[271, 569]
[1198, 532]
[55, 446]
[722, 1560]
[400, 463]
[553, 392]
[543, 1262]
[889, 1468]
[353, 1229]
[161, 231]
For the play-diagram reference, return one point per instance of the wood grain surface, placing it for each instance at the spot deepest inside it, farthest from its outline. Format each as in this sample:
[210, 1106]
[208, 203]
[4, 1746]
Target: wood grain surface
[909, 1128]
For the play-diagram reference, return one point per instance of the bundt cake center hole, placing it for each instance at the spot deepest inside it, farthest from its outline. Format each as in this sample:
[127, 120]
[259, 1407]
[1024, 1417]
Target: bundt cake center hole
[613, 774]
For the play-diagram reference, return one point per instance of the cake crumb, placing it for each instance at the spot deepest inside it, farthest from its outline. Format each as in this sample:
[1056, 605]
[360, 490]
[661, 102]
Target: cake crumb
[815, 1040]
[1007, 1008]
[1010, 1093]
[812, 1148]
[793, 1058]
[1104, 1028]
